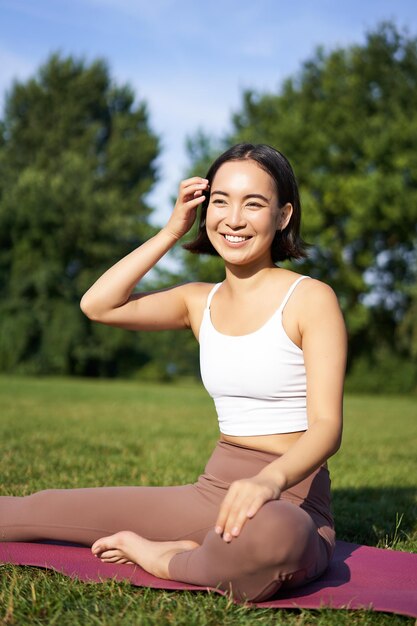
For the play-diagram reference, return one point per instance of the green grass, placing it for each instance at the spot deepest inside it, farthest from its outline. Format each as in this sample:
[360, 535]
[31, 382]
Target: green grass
[72, 433]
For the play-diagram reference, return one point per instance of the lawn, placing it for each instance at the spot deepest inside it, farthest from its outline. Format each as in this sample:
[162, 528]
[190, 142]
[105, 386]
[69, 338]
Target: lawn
[86, 433]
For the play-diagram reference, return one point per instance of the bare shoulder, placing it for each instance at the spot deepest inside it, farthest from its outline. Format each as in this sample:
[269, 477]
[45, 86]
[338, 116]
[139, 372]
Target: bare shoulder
[312, 291]
[317, 293]
[194, 293]
[195, 297]
[317, 302]
[310, 298]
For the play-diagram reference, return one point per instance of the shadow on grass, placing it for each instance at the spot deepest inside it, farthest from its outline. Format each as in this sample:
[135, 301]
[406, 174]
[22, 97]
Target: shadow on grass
[380, 516]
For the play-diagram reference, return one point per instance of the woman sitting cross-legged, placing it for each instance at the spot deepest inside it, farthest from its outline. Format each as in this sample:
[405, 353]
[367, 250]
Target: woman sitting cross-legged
[273, 351]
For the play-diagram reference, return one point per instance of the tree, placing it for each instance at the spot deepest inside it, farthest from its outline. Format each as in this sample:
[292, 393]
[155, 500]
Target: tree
[348, 123]
[77, 158]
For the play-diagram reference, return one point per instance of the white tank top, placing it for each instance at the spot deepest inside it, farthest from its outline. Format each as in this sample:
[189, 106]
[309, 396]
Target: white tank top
[258, 380]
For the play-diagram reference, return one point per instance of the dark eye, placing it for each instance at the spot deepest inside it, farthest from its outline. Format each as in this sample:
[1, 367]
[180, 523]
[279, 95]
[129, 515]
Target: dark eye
[254, 205]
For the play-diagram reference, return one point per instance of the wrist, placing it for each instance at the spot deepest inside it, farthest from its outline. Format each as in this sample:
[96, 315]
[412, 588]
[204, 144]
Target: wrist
[276, 476]
[169, 235]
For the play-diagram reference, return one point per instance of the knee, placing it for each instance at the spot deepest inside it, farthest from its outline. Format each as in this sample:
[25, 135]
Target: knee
[272, 546]
[244, 567]
[278, 549]
[278, 535]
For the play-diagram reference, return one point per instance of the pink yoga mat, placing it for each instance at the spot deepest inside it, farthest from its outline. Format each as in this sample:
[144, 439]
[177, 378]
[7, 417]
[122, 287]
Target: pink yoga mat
[358, 577]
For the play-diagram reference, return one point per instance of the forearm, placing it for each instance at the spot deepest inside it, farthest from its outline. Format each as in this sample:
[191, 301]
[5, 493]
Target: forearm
[115, 286]
[310, 451]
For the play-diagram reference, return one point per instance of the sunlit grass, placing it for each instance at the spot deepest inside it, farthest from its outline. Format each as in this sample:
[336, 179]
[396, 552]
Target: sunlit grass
[73, 433]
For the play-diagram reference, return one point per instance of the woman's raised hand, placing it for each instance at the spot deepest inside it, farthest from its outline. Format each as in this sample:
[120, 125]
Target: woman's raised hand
[242, 501]
[190, 195]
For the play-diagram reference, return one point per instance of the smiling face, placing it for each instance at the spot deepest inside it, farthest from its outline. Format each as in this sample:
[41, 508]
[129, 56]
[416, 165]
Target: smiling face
[243, 213]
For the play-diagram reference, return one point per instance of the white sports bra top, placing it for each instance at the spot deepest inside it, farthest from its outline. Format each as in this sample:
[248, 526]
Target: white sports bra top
[258, 380]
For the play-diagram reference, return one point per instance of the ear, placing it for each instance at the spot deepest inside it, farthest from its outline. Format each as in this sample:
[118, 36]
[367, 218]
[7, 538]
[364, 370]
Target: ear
[284, 216]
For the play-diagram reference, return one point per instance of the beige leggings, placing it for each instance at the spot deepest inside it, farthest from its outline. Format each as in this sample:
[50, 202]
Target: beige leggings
[289, 541]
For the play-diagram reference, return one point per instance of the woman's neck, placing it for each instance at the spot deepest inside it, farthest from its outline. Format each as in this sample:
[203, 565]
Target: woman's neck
[243, 278]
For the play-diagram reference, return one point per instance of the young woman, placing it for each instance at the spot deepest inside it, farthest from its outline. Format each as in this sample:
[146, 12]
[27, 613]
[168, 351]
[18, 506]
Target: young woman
[273, 349]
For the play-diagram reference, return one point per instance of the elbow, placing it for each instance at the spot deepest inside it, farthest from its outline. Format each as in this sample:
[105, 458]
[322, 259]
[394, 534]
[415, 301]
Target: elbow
[331, 434]
[88, 310]
[337, 442]
[336, 447]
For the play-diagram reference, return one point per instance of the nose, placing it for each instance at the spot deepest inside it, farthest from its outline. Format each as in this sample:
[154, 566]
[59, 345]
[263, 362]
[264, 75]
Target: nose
[235, 218]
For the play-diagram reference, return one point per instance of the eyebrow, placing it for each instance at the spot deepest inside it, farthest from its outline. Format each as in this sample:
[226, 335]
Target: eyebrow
[249, 195]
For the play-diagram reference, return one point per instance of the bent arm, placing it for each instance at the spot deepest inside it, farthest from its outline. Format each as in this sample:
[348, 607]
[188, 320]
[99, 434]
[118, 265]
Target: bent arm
[110, 299]
[324, 347]
[324, 344]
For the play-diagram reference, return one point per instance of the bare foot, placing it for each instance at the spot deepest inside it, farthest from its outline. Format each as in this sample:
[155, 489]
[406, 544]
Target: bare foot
[128, 547]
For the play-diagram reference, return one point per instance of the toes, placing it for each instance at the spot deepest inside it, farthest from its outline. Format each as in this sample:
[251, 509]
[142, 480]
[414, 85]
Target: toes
[114, 559]
[109, 554]
[115, 556]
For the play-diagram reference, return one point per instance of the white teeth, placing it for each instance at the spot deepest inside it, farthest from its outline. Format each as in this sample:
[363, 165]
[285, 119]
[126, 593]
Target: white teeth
[234, 238]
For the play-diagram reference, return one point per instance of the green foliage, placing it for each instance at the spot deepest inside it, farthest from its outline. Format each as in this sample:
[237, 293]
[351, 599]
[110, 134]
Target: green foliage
[348, 123]
[407, 329]
[382, 372]
[174, 355]
[76, 160]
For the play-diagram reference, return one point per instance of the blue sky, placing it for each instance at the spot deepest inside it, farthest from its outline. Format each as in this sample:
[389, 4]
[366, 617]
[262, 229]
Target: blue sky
[189, 60]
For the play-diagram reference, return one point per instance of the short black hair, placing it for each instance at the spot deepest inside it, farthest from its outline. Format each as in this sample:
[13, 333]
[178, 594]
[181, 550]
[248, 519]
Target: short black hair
[287, 244]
